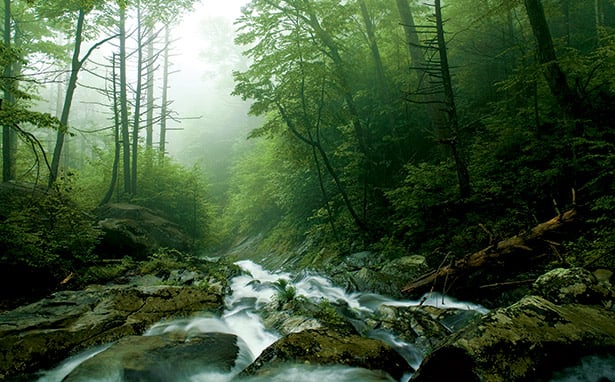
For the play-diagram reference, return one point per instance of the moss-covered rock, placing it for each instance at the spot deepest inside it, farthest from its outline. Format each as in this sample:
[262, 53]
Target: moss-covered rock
[326, 347]
[572, 285]
[526, 341]
[40, 334]
[159, 358]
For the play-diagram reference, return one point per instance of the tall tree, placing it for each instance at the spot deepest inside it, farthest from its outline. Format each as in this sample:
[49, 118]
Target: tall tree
[165, 91]
[556, 78]
[124, 123]
[8, 158]
[76, 64]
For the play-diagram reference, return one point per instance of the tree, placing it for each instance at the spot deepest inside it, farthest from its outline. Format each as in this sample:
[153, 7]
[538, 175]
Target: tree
[435, 87]
[76, 65]
[8, 159]
[555, 76]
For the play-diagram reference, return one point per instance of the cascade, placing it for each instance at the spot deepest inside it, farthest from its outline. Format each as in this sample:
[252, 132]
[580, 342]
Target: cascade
[250, 292]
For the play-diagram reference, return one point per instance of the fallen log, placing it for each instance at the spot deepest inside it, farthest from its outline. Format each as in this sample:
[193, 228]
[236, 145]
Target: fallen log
[528, 242]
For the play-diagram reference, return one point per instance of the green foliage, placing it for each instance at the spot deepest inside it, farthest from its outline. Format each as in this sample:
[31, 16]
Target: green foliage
[102, 274]
[163, 262]
[285, 293]
[46, 232]
[179, 193]
[329, 316]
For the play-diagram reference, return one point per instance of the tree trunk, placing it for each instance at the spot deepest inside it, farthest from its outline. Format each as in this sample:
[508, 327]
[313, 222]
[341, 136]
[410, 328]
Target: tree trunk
[375, 51]
[124, 103]
[556, 79]
[165, 88]
[68, 99]
[116, 139]
[137, 111]
[463, 176]
[8, 158]
[149, 119]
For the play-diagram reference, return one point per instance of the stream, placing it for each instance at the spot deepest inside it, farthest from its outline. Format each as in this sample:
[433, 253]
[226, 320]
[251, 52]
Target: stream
[250, 292]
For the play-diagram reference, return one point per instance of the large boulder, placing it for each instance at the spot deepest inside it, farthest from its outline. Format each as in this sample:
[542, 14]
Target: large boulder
[327, 347]
[573, 285]
[160, 358]
[525, 341]
[137, 231]
[41, 334]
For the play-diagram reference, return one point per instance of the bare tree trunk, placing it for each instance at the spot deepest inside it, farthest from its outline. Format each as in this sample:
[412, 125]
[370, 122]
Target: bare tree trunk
[165, 88]
[149, 124]
[124, 102]
[137, 111]
[451, 110]
[116, 138]
[68, 99]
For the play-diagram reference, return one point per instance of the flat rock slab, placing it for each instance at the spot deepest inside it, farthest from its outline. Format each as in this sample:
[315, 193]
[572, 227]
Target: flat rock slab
[159, 358]
[38, 335]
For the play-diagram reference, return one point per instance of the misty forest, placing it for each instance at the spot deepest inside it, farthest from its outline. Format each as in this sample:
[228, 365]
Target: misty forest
[303, 190]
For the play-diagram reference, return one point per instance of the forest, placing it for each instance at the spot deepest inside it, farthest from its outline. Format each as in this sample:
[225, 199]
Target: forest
[399, 127]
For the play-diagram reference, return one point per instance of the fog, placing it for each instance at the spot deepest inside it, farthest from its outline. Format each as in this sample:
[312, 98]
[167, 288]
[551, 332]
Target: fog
[213, 124]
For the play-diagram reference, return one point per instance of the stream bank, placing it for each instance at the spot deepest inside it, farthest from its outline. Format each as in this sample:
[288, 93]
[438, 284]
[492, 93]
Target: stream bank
[302, 324]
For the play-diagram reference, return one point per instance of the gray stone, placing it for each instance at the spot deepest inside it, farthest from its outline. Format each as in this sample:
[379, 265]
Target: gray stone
[160, 358]
[523, 342]
[41, 334]
[327, 347]
[572, 285]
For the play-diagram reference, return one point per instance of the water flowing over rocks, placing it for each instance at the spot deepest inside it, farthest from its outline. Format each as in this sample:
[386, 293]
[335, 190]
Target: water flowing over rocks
[532, 338]
[159, 358]
[275, 324]
[43, 333]
[326, 347]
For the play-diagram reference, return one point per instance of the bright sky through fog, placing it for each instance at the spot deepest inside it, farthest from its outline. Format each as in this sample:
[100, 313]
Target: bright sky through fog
[191, 86]
[189, 34]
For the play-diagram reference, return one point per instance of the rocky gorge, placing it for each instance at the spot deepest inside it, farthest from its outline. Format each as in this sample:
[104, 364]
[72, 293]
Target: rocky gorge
[238, 321]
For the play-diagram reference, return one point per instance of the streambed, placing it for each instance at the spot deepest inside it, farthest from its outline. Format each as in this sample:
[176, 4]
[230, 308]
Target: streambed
[251, 292]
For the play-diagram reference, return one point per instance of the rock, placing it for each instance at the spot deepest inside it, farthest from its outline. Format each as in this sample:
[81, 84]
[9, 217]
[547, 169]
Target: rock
[41, 334]
[286, 322]
[371, 272]
[137, 231]
[326, 347]
[603, 276]
[572, 285]
[525, 341]
[159, 358]
[423, 326]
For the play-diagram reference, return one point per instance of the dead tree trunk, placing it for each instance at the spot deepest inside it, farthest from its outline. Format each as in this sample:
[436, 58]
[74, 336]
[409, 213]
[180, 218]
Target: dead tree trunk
[530, 243]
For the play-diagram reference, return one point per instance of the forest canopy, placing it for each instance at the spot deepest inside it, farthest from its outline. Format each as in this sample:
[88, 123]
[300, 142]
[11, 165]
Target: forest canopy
[397, 126]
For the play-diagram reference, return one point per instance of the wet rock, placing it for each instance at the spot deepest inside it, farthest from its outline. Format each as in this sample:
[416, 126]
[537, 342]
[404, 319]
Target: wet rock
[572, 285]
[525, 341]
[286, 322]
[38, 335]
[159, 358]
[423, 326]
[372, 272]
[137, 231]
[326, 347]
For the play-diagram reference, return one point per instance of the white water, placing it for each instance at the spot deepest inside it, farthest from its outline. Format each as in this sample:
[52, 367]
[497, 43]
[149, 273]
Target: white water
[250, 292]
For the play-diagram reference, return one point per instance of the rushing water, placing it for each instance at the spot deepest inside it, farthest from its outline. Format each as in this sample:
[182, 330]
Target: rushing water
[252, 290]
